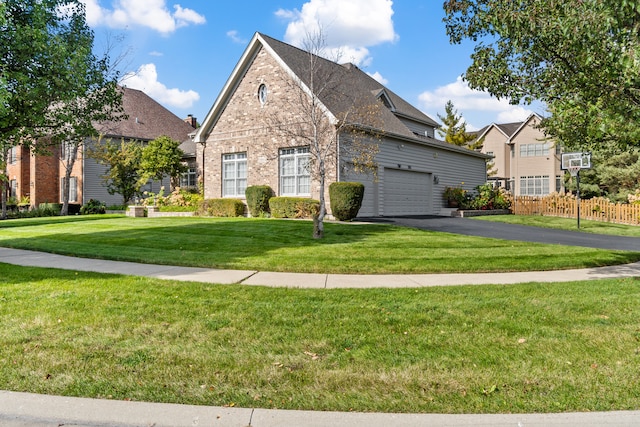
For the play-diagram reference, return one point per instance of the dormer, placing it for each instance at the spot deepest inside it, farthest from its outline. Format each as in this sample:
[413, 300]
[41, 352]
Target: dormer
[383, 97]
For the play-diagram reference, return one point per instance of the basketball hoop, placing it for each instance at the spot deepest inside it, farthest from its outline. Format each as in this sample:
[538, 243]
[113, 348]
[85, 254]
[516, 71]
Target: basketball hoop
[573, 170]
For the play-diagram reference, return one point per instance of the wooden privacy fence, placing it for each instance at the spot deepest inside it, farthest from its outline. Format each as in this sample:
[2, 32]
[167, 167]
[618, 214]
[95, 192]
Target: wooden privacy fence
[596, 209]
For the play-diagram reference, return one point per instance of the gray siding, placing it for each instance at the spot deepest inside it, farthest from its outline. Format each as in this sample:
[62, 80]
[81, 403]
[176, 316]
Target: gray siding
[420, 129]
[444, 167]
[94, 187]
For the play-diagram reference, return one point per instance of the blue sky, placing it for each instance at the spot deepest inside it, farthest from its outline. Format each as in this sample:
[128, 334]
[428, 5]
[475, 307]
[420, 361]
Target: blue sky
[181, 54]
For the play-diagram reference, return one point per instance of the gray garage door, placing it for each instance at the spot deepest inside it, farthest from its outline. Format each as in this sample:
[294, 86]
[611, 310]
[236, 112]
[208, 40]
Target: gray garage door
[406, 192]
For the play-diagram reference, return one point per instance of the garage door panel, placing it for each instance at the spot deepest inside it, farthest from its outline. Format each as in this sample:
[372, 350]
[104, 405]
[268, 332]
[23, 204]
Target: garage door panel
[406, 192]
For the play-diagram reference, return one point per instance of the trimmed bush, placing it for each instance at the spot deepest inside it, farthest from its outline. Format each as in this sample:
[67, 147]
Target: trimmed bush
[49, 209]
[258, 197]
[92, 207]
[346, 199]
[221, 207]
[293, 207]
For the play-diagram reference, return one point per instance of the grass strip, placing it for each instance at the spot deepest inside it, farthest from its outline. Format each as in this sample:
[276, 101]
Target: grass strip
[491, 349]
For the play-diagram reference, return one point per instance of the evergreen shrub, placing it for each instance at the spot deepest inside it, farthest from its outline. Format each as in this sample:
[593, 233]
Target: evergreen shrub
[93, 206]
[258, 197]
[346, 199]
[293, 207]
[221, 207]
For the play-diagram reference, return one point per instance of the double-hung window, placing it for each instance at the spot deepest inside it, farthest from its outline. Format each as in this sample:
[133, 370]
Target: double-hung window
[188, 179]
[12, 156]
[73, 188]
[234, 174]
[295, 171]
[534, 185]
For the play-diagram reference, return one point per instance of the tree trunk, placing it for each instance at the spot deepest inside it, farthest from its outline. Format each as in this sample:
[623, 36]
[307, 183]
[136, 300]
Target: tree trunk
[318, 220]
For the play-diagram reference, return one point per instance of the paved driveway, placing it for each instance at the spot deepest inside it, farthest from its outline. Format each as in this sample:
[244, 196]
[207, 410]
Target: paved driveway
[473, 227]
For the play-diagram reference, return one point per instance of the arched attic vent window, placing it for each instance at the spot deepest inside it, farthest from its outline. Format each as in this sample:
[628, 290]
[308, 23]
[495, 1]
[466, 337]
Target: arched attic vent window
[384, 98]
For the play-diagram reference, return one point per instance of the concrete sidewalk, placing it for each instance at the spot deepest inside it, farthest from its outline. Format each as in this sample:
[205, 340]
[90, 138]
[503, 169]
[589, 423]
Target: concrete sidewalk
[302, 280]
[26, 409]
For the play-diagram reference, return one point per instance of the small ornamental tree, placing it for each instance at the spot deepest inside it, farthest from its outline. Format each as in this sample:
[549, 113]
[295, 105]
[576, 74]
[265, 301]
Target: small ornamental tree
[123, 166]
[162, 157]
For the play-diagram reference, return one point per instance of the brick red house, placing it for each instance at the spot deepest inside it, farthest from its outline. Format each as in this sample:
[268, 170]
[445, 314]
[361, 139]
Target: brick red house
[39, 177]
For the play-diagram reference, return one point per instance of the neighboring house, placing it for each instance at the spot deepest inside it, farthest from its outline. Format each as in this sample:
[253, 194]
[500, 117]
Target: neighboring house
[525, 160]
[236, 149]
[39, 177]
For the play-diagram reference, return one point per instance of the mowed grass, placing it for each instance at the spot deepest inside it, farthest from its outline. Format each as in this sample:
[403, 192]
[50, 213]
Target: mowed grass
[571, 224]
[490, 349]
[286, 245]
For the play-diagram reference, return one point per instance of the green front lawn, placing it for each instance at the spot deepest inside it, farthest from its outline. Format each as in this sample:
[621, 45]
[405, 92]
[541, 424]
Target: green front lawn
[286, 245]
[469, 349]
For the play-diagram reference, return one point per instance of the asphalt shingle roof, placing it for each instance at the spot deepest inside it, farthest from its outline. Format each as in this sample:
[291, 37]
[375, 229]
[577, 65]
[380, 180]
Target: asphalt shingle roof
[146, 120]
[353, 86]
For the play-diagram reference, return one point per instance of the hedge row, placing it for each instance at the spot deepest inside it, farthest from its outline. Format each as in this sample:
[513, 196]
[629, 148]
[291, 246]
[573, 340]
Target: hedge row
[221, 207]
[293, 207]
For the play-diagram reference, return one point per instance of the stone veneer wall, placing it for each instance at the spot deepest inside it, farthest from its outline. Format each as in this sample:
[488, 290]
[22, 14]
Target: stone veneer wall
[242, 128]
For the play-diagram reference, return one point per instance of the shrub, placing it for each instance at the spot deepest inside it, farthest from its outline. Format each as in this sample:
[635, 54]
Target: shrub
[454, 196]
[221, 207]
[486, 197]
[49, 209]
[258, 197]
[346, 199]
[293, 207]
[93, 207]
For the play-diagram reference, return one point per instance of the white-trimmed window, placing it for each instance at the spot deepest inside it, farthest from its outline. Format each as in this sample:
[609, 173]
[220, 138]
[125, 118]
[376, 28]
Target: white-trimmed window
[13, 188]
[234, 174]
[534, 185]
[189, 178]
[295, 171]
[538, 149]
[12, 155]
[66, 151]
[73, 189]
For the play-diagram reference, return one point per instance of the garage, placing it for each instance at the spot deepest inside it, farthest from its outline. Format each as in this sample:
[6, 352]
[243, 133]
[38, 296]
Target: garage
[406, 192]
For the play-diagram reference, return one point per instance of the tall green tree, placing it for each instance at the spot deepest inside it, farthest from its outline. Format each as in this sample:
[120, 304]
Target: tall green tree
[579, 57]
[454, 128]
[162, 157]
[46, 65]
[122, 160]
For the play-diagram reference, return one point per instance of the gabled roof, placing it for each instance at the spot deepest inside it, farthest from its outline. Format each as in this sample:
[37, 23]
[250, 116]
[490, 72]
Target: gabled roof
[353, 86]
[509, 130]
[146, 120]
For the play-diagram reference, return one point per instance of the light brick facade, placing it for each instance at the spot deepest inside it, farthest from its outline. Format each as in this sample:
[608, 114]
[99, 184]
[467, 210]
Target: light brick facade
[243, 128]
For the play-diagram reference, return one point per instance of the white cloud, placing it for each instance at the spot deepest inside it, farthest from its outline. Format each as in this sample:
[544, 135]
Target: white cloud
[153, 14]
[146, 80]
[235, 36]
[378, 77]
[348, 26]
[472, 103]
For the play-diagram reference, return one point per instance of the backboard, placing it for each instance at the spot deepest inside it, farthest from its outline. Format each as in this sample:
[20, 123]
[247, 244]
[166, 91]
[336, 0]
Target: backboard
[573, 160]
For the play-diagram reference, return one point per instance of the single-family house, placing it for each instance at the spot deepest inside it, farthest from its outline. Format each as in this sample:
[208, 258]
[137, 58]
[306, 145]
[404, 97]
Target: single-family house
[236, 145]
[524, 159]
[39, 176]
